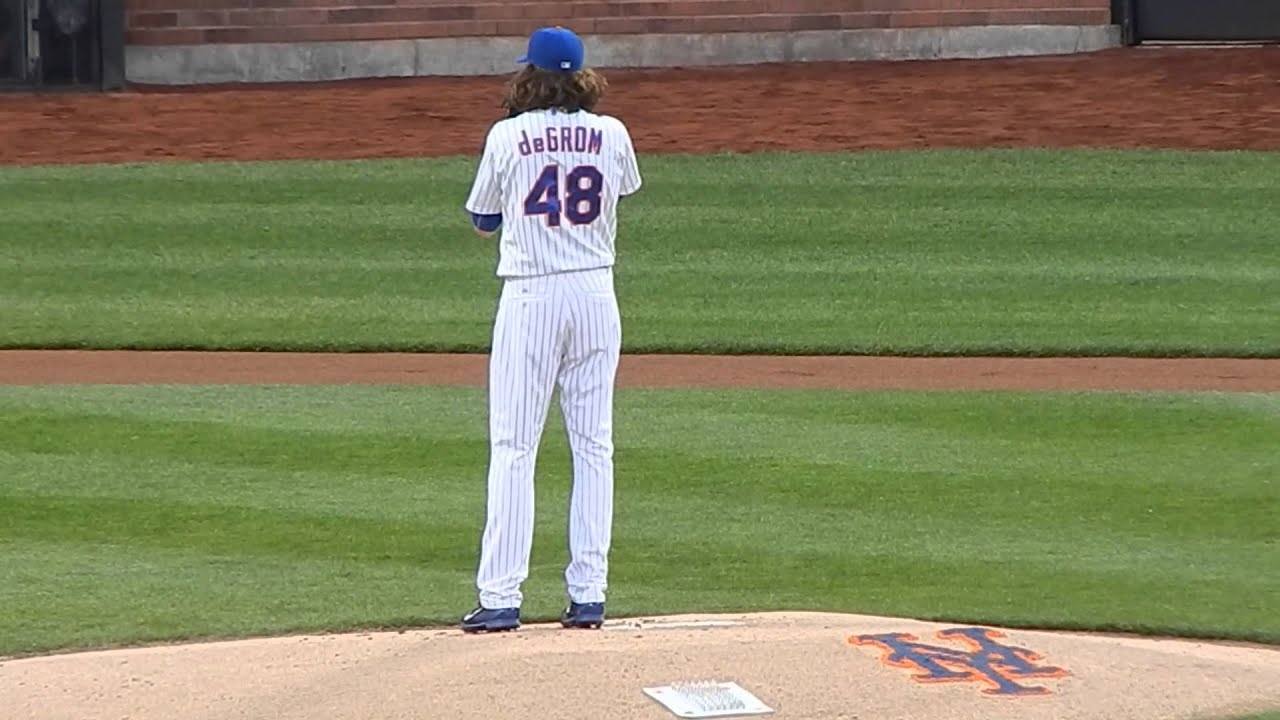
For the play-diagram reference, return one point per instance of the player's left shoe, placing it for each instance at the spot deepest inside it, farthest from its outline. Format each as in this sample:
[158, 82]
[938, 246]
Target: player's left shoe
[484, 619]
[583, 615]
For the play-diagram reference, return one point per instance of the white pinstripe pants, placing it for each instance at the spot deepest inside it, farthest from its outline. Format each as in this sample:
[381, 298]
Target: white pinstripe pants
[551, 331]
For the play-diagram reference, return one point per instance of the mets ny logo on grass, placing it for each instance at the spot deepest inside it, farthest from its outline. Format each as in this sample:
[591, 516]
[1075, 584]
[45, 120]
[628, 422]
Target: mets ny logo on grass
[981, 658]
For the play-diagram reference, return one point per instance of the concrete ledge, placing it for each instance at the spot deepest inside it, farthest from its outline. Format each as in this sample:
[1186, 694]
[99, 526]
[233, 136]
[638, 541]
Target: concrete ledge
[293, 62]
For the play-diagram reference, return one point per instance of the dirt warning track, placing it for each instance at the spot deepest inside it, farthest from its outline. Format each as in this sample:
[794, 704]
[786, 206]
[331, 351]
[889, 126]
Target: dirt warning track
[1129, 98]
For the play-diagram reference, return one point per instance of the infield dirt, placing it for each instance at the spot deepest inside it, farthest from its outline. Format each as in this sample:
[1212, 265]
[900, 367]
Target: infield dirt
[803, 665]
[124, 367]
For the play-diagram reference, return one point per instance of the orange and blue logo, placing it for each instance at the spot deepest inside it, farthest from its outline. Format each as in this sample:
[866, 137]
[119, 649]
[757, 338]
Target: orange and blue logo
[982, 658]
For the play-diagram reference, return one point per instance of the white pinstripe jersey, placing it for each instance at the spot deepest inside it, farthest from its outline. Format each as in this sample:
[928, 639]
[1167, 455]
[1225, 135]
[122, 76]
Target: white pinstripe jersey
[556, 178]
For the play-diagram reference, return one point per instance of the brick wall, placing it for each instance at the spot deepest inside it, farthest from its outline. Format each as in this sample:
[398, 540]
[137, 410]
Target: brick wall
[193, 22]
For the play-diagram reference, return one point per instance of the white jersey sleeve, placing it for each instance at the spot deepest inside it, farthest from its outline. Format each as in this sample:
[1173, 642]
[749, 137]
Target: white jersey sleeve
[630, 168]
[486, 190]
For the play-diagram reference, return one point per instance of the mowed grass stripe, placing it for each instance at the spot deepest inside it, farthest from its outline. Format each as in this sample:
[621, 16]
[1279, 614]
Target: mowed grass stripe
[144, 513]
[948, 252]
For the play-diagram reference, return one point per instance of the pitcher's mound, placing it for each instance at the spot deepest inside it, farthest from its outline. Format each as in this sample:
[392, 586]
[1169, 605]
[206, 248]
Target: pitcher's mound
[801, 665]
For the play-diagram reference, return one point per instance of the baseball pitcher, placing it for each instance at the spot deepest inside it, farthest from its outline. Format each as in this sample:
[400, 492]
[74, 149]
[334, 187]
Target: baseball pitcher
[550, 178]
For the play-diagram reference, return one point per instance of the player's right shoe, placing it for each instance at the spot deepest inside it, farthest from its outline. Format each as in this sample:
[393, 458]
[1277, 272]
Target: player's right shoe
[583, 615]
[483, 619]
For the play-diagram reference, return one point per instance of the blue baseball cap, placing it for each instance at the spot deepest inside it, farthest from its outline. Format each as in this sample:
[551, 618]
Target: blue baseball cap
[554, 48]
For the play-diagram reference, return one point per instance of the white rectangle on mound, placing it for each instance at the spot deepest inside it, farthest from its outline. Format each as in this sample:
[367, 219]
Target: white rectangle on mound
[707, 699]
[632, 625]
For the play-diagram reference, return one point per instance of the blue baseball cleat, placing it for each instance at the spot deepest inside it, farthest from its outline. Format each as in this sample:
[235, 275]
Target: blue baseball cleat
[583, 615]
[483, 619]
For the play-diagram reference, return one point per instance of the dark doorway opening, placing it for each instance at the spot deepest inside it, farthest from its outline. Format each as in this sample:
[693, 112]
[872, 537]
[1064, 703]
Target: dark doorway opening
[69, 43]
[62, 44]
[1206, 21]
[13, 41]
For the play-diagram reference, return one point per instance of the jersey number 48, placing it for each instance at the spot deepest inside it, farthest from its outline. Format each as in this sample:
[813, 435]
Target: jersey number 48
[581, 201]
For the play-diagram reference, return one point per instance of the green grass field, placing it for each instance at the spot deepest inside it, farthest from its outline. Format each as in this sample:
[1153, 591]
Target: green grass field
[130, 514]
[147, 513]
[1008, 252]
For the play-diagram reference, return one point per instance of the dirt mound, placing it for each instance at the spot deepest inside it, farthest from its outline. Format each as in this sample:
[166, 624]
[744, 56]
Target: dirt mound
[802, 665]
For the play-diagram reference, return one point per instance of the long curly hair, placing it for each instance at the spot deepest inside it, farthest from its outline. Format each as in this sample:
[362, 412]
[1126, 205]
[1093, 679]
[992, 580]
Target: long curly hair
[533, 88]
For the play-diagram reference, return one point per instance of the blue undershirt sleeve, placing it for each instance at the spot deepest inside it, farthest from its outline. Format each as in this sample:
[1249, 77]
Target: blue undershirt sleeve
[486, 223]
